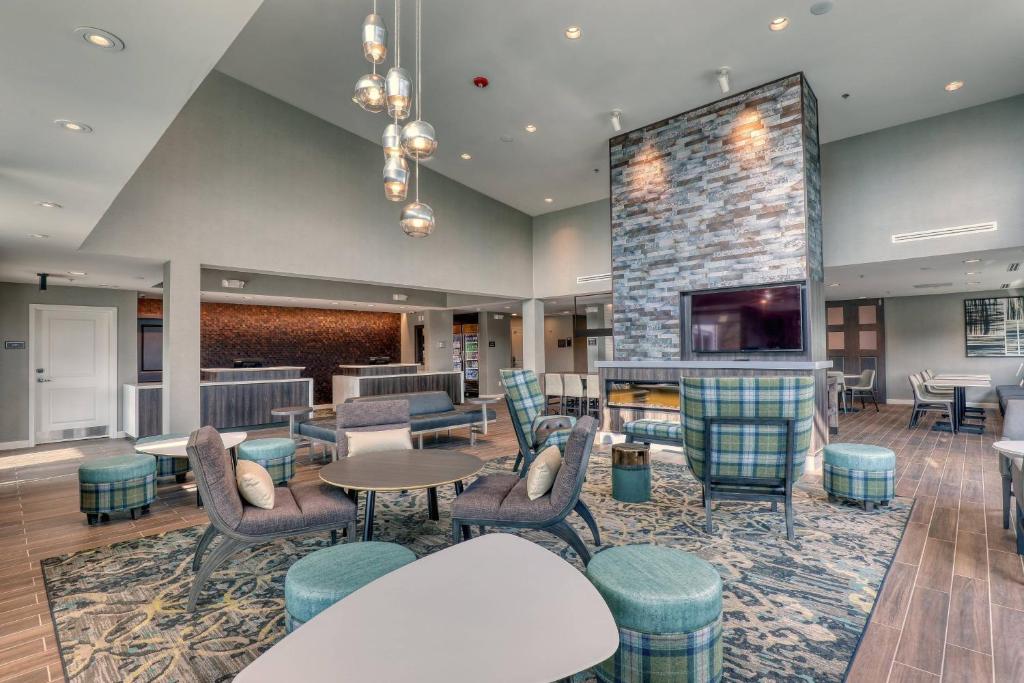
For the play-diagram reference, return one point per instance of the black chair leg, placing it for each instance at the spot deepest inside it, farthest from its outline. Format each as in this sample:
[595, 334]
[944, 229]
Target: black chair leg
[467, 532]
[432, 511]
[874, 400]
[456, 531]
[1006, 501]
[334, 537]
[583, 511]
[519, 460]
[567, 534]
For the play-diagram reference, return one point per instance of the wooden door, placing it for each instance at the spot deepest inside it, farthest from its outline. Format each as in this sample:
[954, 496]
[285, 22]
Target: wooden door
[856, 338]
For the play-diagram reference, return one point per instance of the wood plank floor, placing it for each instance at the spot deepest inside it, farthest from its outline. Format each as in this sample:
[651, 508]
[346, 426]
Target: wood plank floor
[952, 606]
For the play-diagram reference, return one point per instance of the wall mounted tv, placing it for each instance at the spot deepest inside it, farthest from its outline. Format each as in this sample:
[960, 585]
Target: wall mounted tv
[761, 319]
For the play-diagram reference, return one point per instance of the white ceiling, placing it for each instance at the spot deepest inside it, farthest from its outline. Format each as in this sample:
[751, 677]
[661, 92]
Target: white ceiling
[649, 58]
[929, 275]
[128, 97]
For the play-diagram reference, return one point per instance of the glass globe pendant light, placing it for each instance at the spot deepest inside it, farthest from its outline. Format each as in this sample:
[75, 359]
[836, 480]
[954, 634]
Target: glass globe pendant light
[369, 93]
[419, 141]
[397, 84]
[417, 218]
[375, 37]
[396, 179]
[391, 141]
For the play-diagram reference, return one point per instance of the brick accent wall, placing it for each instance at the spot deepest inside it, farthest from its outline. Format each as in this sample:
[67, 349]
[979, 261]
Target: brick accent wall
[715, 197]
[317, 338]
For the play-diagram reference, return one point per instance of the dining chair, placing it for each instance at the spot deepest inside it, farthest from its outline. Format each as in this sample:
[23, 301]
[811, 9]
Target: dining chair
[574, 392]
[553, 390]
[299, 509]
[865, 387]
[501, 500]
[925, 400]
[594, 396]
[747, 437]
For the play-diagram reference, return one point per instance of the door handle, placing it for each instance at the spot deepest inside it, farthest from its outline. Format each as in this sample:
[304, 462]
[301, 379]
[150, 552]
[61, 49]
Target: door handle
[41, 379]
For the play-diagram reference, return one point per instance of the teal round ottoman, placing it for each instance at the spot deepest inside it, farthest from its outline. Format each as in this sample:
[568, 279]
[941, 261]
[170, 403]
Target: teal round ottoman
[668, 606]
[859, 472]
[121, 482]
[324, 577]
[165, 465]
[276, 455]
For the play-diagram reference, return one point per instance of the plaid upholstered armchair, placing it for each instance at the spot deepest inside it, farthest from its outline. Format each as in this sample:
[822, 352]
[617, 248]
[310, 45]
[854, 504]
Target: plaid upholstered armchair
[535, 431]
[747, 437]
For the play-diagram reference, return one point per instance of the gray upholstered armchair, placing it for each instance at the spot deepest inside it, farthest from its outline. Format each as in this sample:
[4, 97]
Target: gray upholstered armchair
[500, 499]
[1013, 430]
[299, 509]
[1016, 473]
[369, 416]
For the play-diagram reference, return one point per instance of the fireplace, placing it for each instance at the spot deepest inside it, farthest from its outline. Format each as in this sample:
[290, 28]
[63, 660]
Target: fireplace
[642, 395]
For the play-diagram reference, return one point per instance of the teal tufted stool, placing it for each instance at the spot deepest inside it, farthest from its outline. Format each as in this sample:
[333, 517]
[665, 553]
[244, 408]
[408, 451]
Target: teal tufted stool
[324, 577]
[167, 466]
[859, 472]
[276, 455]
[668, 606]
[121, 482]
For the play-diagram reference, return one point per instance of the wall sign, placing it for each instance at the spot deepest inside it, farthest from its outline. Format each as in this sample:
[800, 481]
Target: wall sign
[10, 345]
[994, 327]
[490, 344]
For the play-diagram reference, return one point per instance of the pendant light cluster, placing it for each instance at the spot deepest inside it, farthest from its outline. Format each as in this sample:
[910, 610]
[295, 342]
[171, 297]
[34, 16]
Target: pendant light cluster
[394, 93]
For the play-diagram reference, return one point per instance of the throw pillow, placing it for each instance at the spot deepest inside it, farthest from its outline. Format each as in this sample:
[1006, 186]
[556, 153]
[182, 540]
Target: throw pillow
[255, 484]
[541, 475]
[382, 440]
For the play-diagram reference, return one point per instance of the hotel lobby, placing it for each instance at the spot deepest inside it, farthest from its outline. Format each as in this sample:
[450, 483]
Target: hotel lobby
[391, 340]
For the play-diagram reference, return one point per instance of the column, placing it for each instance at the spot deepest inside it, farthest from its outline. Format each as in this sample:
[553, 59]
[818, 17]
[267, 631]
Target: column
[437, 357]
[180, 394]
[533, 335]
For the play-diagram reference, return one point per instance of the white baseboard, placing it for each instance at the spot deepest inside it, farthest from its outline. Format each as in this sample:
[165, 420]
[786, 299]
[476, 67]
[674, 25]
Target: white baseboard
[910, 402]
[11, 445]
[119, 435]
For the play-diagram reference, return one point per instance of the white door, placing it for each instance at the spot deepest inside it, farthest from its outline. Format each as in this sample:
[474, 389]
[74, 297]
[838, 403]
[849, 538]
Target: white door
[74, 356]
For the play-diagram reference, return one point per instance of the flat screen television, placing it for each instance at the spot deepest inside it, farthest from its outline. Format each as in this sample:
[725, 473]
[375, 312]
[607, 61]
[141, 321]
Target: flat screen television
[748, 320]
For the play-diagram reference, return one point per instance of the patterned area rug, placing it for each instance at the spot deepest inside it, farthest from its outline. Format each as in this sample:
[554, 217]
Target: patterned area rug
[793, 611]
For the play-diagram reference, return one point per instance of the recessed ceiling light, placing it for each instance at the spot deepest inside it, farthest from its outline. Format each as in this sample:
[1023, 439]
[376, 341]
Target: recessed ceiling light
[97, 37]
[953, 86]
[548, 200]
[819, 8]
[79, 273]
[972, 260]
[779, 23]
[466, 155]
[833, 284]
[38, 235]
[73, 126]
[49, 205]
[371, 305]
[971, 273]
[573, 33]
[530, 128]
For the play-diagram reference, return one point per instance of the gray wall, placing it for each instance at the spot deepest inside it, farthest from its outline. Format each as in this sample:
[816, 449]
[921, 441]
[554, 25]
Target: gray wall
[568, 243]
[437, 333]
[928, 332]
[558, 359]
[497, 330]
[956, 169]
[243, 180]
[14, 303]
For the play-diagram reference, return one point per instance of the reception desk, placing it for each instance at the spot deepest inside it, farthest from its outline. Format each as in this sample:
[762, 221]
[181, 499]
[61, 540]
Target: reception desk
[632, 390]
[399, 378]
[228, 398]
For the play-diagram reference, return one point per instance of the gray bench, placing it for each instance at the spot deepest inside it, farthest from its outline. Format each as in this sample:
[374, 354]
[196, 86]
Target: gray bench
[430, 412]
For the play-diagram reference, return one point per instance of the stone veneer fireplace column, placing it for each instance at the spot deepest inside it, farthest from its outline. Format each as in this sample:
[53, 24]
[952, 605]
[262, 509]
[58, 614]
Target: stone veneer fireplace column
[725, 195]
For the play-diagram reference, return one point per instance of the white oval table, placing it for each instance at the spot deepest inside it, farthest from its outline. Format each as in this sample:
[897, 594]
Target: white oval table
[176, 448]
[451, 617]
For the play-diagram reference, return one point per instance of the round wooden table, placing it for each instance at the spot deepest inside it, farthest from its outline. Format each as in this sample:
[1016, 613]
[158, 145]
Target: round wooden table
[400, 470]
[292, 412]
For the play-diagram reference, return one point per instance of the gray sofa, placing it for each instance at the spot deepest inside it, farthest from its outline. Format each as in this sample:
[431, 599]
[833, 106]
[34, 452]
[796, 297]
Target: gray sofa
[430, 412]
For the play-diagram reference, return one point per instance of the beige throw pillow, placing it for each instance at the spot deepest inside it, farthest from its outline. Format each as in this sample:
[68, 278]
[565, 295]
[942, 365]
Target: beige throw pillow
[255, 484]
[382, 440]
[541, 475]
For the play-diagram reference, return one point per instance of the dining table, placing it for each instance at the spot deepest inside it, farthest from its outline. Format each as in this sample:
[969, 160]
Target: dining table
[450, 617]
[959, 383]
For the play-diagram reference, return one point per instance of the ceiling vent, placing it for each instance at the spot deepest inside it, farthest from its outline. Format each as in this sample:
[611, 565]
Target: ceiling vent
[232, 284]
[937, 233]
[583, 279]
[1005, 285]
[933, 285]
[1013, 267]
[400, 297]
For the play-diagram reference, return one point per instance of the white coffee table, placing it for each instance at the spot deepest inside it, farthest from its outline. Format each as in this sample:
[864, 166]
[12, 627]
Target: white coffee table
[447, 618]
[483, 402]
